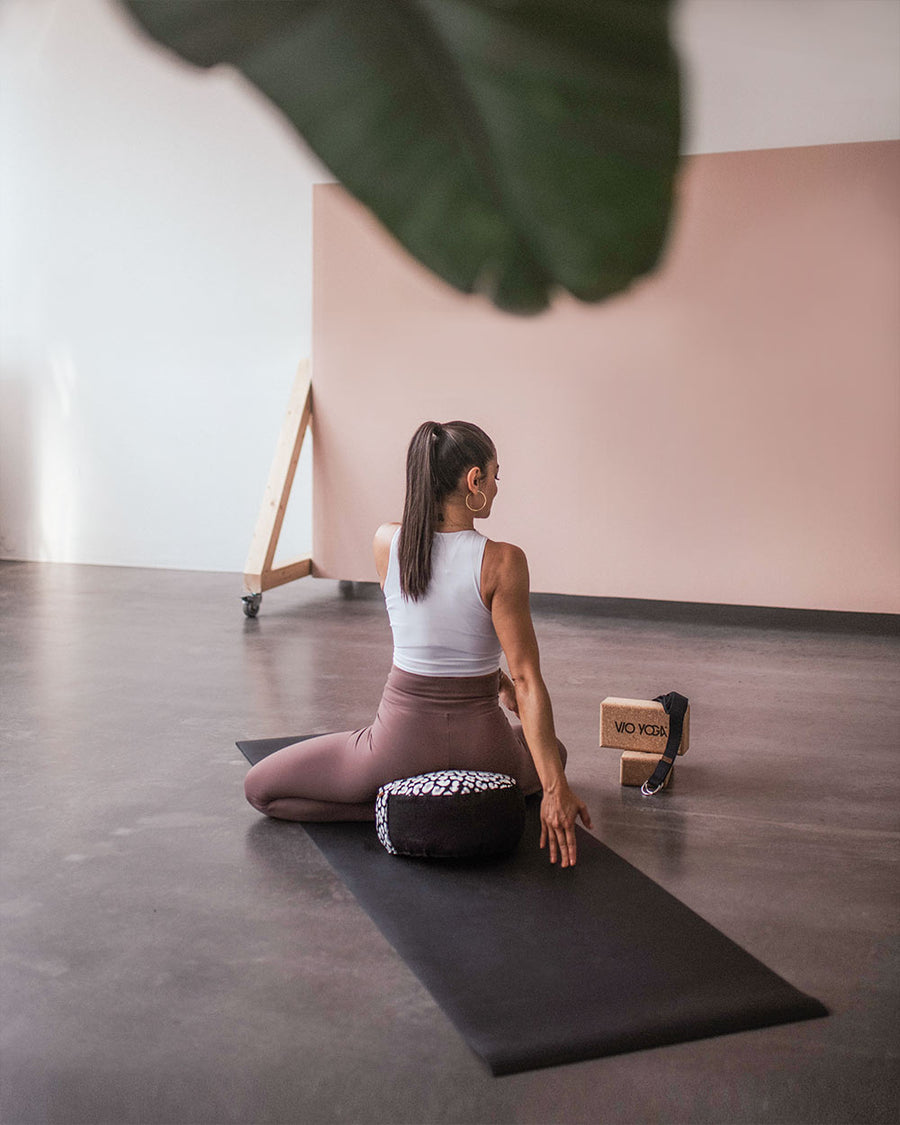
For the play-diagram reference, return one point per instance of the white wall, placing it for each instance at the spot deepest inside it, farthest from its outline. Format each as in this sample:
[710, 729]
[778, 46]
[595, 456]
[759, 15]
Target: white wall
[155, 266]
[786, 73]
[155, 294]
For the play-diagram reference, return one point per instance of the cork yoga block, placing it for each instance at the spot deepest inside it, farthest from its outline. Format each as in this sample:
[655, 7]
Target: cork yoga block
[638, 724]
[635, 768]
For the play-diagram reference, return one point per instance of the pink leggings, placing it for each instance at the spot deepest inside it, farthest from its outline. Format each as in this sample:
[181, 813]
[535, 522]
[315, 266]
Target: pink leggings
[424, 723]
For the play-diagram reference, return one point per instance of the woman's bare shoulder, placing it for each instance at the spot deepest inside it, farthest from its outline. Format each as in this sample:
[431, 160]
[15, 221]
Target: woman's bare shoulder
[504, 565]
[381, 548]
[505, 555]
[385, 533]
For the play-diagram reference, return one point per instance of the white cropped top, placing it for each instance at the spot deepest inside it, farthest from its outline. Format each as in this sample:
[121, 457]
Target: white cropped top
[448, 631]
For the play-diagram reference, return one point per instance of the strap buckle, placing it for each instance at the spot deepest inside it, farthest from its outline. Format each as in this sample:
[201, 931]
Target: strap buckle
[647, 791]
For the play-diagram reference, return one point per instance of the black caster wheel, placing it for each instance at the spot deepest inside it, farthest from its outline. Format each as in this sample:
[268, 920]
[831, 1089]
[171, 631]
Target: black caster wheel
[251, 604]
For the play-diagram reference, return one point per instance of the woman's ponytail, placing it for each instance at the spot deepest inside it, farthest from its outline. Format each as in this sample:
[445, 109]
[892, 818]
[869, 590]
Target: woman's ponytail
[417, 530]
[437, 457]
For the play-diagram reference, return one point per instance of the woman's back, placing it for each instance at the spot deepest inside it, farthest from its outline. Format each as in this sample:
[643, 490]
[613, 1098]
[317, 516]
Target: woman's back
[449, 631]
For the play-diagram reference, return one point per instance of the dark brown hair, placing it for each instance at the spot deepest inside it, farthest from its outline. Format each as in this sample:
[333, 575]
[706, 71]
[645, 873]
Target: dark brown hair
[438, 456]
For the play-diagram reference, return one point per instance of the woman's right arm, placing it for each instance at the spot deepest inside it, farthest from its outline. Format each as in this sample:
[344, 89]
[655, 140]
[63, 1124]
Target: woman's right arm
[381, 549]
[511, 613]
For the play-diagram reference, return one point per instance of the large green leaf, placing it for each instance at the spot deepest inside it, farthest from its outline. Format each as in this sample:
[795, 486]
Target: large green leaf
[513, 146]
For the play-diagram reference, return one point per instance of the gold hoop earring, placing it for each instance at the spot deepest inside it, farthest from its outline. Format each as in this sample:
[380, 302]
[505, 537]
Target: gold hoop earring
[483, 497]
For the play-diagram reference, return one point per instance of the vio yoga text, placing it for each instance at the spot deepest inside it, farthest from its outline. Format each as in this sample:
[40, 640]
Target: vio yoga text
[652, 729]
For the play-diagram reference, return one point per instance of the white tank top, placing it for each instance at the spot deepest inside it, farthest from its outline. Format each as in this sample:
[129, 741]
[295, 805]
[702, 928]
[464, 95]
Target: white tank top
[448, 631]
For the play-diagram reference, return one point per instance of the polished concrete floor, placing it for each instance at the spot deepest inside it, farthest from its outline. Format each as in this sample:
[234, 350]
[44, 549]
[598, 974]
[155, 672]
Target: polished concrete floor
[169, 956]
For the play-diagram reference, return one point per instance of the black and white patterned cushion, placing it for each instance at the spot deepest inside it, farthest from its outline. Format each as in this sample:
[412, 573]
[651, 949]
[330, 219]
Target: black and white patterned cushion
[451, 814]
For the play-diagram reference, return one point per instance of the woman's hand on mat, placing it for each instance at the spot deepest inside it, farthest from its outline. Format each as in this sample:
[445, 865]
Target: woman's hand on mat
[508, 693]
[560, 808]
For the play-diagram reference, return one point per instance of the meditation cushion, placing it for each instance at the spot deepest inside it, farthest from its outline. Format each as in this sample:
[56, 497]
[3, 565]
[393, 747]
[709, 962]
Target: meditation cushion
[451, 814]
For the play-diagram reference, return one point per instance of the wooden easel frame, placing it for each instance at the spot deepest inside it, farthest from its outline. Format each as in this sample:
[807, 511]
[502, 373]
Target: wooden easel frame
[260, 572]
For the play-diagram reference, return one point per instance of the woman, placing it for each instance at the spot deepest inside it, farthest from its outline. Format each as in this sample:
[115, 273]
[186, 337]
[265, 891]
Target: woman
[454, 599]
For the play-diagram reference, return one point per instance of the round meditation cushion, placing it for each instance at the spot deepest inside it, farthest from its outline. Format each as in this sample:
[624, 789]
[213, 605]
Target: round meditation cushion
[451, 814]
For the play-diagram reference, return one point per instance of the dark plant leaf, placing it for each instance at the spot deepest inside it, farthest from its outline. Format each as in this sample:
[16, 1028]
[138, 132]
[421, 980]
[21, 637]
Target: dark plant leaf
[512, 146]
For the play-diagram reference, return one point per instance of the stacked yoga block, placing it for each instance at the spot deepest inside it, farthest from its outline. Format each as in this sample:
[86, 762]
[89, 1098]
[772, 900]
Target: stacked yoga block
[639, 728]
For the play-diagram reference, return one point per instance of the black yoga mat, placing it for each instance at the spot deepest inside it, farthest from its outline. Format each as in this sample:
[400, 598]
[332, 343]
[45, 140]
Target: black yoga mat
[538, 966]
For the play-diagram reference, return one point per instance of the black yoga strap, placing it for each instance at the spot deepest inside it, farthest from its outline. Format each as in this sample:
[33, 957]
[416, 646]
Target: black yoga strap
[675, 706]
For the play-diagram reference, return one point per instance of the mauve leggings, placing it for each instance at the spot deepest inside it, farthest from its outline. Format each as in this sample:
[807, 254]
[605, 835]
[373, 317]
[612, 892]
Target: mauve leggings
[423, 723]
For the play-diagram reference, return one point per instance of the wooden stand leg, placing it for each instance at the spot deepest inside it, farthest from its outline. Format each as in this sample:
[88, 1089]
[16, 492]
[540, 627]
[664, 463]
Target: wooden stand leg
[260, 573]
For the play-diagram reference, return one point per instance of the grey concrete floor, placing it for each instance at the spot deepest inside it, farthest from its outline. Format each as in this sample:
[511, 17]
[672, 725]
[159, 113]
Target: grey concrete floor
[169, 956]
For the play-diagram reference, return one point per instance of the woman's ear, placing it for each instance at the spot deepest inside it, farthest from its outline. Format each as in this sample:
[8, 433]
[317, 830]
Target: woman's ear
[473, 478]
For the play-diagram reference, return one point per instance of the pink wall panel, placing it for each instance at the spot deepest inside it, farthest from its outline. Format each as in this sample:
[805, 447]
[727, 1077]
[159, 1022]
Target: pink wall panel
[728, 431]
